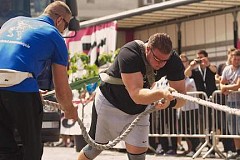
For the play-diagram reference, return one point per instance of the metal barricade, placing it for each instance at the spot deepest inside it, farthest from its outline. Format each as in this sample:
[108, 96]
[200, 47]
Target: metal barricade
[189, 121]
[226, 123]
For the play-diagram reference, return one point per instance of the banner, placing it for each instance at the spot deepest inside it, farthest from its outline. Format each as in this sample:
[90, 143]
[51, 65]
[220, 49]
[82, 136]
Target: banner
[93, 40]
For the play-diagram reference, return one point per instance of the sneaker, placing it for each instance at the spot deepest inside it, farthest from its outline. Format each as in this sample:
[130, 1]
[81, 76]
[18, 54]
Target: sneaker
[70, 145]
[190, 154]
[170, 153]
[49, 144]
[61, 145]
[181, 148]
[160, 152]
[184, 153]
[229, 154]
[233, 157]
[159, 148]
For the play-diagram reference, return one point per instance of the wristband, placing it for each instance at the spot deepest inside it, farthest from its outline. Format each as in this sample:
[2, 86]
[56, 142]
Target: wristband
[172, 103]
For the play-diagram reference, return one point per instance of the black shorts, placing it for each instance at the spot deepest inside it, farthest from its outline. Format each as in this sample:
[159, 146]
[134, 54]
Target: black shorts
[22, 112]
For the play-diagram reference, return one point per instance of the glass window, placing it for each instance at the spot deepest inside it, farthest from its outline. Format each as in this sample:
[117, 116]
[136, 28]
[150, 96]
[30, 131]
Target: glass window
[38, 6]
[13, 8]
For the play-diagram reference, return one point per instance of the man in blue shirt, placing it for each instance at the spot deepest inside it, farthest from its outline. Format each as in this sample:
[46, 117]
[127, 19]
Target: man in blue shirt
[26, 44]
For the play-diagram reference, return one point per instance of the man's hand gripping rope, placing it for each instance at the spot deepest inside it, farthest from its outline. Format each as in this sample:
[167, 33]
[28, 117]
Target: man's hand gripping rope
[169, 100]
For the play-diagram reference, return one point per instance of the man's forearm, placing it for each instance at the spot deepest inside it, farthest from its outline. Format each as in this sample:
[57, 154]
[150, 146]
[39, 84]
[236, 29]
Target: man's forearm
[64, 98]
[147, 96]
[233, 87]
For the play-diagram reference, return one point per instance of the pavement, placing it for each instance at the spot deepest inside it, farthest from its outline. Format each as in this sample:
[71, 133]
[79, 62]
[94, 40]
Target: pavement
[64, 153]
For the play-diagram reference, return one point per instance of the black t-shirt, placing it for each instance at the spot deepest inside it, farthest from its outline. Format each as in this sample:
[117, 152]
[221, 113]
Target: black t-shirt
[129, 60]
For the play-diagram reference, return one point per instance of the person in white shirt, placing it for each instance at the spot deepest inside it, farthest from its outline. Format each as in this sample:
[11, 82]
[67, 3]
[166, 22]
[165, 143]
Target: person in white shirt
[189, 113]
[231, 82]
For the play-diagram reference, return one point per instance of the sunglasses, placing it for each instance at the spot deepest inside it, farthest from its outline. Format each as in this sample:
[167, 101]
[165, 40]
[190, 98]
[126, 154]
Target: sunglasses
[65, 22]
[157, 59]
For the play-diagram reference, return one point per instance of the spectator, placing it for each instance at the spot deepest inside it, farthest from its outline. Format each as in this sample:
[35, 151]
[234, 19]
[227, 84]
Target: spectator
[189, 113]
[167, 119]
[228, 143]
[203, 73]
[230, 81]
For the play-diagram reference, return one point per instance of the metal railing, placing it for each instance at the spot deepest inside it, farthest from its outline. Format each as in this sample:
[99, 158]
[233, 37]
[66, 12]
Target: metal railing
[199, 121]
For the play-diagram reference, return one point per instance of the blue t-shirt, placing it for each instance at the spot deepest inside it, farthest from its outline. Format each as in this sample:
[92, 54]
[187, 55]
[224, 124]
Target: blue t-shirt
[26, 44]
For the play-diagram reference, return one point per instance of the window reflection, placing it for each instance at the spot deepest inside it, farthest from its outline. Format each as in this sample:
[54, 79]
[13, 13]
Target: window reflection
[37, 6]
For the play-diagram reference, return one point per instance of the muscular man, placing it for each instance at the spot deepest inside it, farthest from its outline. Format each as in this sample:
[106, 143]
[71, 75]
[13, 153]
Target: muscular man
[26, 44]
[125, 92]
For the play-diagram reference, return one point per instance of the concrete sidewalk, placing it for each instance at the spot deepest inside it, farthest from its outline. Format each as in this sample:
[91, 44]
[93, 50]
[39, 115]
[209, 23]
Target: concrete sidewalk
[63, 153]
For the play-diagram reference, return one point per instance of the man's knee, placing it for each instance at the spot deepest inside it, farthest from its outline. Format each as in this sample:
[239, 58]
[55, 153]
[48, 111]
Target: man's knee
[140, 156]
[91, 152]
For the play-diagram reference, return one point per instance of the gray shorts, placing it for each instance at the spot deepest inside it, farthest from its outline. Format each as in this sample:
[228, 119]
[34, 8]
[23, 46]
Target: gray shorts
[233, 120]
[111, 122]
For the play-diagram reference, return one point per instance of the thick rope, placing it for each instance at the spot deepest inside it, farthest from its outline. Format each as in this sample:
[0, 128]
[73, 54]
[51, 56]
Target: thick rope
[207, 103]
[111, 144]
